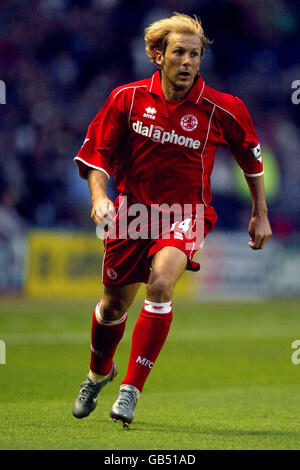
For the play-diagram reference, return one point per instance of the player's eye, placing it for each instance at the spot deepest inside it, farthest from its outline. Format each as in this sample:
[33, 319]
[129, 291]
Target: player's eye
[179, 51]
[194, 54]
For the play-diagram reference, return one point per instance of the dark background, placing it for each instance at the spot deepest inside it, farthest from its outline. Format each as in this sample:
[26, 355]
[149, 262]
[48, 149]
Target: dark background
[60, 59]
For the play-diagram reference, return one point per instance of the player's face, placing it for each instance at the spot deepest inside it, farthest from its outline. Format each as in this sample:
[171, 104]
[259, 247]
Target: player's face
[181, 60]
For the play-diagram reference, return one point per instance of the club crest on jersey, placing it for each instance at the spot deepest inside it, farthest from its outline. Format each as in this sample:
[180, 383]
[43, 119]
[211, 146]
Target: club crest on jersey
[111, 273]
[189, 122]
[150, 113]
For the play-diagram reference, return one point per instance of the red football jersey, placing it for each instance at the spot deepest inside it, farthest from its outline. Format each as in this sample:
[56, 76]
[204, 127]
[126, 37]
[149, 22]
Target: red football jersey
[163, 151]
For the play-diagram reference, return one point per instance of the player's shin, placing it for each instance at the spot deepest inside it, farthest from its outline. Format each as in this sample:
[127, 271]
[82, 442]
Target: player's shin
[148, 338]
[105, 337]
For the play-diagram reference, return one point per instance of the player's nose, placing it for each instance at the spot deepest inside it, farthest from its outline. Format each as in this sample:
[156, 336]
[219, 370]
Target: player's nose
[186, 60]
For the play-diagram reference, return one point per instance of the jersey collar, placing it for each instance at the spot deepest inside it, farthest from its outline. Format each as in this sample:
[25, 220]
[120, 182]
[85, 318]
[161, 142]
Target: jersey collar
[194, 95]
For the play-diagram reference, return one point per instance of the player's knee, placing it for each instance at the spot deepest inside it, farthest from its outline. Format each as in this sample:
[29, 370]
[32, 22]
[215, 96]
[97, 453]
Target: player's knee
[112, 310]
[159, 289]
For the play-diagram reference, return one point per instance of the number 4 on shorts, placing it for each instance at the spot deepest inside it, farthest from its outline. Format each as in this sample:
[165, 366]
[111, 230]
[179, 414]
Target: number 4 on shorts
[184, 226]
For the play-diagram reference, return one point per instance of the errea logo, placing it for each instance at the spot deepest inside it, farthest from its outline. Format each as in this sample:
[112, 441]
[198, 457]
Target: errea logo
[150, 113]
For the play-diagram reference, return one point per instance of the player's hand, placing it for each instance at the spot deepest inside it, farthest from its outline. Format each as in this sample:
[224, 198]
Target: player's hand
[259, 231]
[103, 210]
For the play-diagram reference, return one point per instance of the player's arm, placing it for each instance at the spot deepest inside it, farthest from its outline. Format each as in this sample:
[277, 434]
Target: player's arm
[259, 226]
[241, 137]
[100, 156]
[102, 206]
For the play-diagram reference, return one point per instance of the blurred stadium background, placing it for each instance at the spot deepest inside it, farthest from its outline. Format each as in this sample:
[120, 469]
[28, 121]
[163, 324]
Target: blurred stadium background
[59, 60]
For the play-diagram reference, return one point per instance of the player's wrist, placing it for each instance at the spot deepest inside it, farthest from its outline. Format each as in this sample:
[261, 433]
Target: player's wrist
[261, 212]
[100, 199]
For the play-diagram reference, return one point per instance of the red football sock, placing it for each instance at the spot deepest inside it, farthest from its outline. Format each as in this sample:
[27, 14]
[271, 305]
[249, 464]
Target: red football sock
[150, 333]
[105, 339]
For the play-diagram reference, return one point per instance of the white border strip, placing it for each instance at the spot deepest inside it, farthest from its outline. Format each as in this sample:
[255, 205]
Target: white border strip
[157, 307]
[203, 150]
[92, 166]
[254, 175]
[129, 115]
[200, 92]
[220, 107]
[127, 87]
[150, 90]
[103, 260]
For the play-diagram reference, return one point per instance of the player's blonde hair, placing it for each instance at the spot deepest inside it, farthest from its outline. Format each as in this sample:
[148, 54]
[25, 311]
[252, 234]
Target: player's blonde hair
[157, 33]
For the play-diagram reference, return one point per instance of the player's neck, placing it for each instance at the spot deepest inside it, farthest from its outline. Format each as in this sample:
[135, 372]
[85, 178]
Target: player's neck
[173, 93]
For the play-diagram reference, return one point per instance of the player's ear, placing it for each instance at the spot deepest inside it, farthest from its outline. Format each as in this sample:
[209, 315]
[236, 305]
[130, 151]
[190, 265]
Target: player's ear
[158, 58]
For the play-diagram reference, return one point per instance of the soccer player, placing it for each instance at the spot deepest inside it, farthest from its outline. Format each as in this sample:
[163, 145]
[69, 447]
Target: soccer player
[158, 137]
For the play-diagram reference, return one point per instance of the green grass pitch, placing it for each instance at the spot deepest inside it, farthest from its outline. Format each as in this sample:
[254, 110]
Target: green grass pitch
[224, 379]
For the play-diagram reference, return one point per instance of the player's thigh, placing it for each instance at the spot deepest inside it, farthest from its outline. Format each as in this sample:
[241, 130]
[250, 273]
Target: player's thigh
[117, 300]
[168, 265]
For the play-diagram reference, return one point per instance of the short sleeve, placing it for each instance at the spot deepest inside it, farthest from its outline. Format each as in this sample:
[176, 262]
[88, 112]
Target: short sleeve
[242, 139]
[102, 147]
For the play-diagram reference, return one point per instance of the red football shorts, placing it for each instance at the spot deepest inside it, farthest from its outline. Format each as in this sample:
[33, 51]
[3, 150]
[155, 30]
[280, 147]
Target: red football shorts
[128, 250]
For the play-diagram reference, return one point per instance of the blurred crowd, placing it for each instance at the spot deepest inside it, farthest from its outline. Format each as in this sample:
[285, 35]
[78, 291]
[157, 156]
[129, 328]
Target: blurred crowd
[60, 59]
